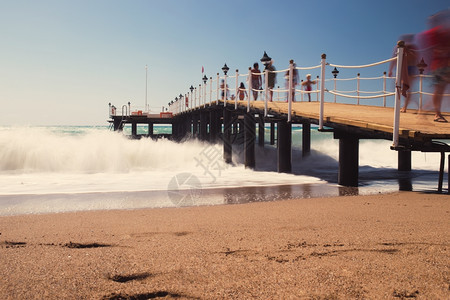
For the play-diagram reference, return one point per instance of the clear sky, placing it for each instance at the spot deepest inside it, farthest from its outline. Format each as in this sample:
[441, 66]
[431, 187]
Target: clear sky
[62, 62]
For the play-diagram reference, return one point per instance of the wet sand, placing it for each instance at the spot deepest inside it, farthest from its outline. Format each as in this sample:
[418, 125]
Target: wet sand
[394, 246]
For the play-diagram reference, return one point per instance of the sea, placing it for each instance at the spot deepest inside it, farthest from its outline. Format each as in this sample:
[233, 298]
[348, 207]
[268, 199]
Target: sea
[54, 169]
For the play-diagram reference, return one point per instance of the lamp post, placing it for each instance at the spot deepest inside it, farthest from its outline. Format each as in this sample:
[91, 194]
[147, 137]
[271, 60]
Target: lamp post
[205, 79]
[225, 71]
[421, 66]
[266, 59]
[335, 73]
[181, 102]
[192, 90]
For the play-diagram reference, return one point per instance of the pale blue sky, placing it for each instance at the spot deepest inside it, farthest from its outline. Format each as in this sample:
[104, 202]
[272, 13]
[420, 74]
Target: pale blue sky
[61, 62]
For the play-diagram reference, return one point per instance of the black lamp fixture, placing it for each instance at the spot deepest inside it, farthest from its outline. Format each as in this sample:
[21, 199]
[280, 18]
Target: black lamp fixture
[205, 79]
[335, 72]
[225, 69]
[191, 88]
[181, 96]
[421, 66]
[266, 59]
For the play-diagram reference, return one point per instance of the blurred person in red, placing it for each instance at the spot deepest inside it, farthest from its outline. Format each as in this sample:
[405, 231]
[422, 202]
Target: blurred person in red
[408, 77]
[437, 41]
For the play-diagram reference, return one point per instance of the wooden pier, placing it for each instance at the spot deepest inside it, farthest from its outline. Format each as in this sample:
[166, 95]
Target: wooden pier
[349, 123]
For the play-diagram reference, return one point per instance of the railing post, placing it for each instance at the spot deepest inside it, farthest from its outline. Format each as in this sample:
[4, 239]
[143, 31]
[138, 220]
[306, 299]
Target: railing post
[210, 90]
[317, 81]
[384, 89]
[195, 97]
[200, 94]
[218, 87]
[357, 86]
[237, 89]
[322, 89]
[250, 92]
[266, 87]
[290, 88]
[225, 92]
[301, 91]
[335, 89]
[398, 83]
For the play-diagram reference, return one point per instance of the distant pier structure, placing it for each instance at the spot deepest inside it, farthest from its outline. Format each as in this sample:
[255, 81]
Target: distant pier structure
[218, 116]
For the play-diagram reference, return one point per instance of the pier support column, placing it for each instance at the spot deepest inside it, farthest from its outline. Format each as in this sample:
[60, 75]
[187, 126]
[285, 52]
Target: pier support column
[118, 125]
[213, 128]
[306, 139]
[134, 129]
[249, 140]
[261, 131]
[284, 144]
[404, 160]
[203, 126]
[272, 133]
[227, 126]
[150, 130]
[348, 160]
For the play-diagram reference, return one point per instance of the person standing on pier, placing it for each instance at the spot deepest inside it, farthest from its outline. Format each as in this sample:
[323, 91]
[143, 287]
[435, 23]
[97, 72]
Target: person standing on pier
[272, 78]
[256, 81]
[242, 92]
[437, 41]
[308, 85]
[408, 76]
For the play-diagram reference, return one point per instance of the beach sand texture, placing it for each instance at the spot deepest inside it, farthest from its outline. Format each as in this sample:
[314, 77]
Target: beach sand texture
[390, 246]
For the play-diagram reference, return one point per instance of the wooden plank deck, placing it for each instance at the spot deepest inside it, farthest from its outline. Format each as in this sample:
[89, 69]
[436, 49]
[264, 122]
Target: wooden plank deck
[371, 118]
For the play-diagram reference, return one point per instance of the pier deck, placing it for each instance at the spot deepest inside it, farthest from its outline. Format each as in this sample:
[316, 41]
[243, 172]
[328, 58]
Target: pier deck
[373, 120]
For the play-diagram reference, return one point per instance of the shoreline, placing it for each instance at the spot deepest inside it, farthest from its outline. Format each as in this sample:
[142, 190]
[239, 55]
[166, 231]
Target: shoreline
[393, 246]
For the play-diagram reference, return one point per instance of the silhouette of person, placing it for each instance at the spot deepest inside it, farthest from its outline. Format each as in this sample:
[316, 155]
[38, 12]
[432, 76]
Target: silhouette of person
[242, 92]
[256, 80]
[410, 58]
[308, 85]
[437, 41]
[272, 78]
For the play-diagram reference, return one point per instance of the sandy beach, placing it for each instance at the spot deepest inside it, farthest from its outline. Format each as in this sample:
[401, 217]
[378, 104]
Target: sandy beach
[390, 246]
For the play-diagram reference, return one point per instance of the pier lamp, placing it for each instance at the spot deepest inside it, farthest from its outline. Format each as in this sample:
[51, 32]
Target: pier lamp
[421, 66]
[191, 88]
[266, 59]
[181, 96]
[335, 72]
[205, 79]
[225, 69]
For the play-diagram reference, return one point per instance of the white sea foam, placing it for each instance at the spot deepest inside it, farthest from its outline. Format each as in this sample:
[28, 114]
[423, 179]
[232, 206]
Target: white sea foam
[60, 162]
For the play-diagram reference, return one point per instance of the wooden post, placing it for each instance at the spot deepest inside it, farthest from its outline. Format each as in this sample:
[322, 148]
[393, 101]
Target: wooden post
[150, 130]
[213, 128]
[348, 160]
[194, 125]
[404, 160]
[227, 127]
[272, 133]
[261, 131]
[441, 172]
[306, 138]
[134, 129]
[203, 126]
[249, 140]
[284, 144]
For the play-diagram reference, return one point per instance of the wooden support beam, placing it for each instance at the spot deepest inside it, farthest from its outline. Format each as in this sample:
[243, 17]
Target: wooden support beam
[404, 160]
[348, 161]
[261, 131]
[284, 146]
[249, 140]
[227, 143]
[306, 138]
[272, 133]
